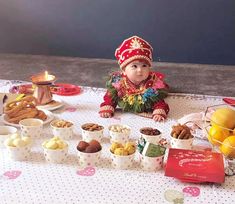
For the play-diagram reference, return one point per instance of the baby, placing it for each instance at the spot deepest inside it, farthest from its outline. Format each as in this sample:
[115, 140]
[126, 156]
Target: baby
[135, 88]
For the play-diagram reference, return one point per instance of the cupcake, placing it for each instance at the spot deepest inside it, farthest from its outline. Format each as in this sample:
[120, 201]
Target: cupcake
[122, 155]
[92, 131]
[181, 137]
[55, 150]
[18, 147]
[119, 133]
[89, 154]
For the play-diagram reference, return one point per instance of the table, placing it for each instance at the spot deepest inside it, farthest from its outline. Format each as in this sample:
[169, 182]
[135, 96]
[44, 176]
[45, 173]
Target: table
[41, 182]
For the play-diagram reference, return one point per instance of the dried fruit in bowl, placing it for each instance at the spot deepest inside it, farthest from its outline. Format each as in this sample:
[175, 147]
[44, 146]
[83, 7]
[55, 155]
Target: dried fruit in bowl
[181, 132]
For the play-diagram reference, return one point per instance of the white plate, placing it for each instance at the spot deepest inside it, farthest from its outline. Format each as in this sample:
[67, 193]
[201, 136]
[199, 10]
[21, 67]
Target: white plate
[49, 114]
[58, 104]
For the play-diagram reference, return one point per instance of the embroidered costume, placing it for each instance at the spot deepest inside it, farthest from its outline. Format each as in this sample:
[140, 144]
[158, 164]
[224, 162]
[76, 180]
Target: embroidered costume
[147, 98]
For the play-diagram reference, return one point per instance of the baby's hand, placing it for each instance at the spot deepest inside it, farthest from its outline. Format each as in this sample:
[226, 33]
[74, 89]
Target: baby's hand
[158, 118]
[105, 115]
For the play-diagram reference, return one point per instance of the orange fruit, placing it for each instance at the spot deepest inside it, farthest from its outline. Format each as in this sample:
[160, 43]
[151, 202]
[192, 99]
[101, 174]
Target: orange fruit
[217, 135]
[228, 147]
[224, 117]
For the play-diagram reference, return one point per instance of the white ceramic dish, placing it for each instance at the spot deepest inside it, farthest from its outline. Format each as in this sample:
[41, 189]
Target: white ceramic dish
[52, 106]
[49, 114]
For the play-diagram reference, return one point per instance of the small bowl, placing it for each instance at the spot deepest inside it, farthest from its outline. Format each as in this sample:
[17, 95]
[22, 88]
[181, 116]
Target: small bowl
[151, 163]
[19, 153]
[6, 132]
[119, 137]
[62, 132]
[88, 135]
[31, 127]
[89, 159]
[55, 155]
[181, 143]
[122, 162]
[154, 139]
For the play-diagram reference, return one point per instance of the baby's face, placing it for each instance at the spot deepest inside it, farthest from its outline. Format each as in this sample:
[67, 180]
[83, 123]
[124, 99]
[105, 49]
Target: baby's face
[137, 71]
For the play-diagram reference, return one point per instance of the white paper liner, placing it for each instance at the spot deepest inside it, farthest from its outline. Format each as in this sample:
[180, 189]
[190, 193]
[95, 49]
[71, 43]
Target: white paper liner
[56, 156]
[5, 133]
[122, 162]
[92, 135]
[181, 143]
[65, 133]
[33, 131]
[120, 137]
[151, 163]
[89, 159]
[154, 139]
[19, 153]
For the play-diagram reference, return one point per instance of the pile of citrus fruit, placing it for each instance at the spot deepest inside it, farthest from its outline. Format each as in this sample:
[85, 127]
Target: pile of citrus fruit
[222, 131]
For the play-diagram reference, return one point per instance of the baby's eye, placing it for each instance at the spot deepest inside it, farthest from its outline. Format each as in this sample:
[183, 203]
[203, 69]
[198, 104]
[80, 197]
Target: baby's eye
[145, 65]
[134, 66]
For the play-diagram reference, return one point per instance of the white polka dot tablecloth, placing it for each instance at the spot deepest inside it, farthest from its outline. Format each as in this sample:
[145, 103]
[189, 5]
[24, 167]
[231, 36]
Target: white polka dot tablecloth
[37, 181]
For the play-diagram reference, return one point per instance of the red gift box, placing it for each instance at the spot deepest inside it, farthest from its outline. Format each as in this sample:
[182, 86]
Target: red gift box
[195, 166]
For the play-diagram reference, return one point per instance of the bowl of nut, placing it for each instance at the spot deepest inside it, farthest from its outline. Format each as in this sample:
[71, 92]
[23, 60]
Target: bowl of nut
[122, 155]
[92, 131]
[181, 137]
[151, 135]
[89, 154]
[119, 133]
[62, 129]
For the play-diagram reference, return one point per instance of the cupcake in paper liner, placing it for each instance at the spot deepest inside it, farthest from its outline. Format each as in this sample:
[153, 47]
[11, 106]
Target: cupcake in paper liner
[92, 131]
[19, 148]
[122, 156]
[181, 137]
[89, 154]
[151, 155]
[119, 133]
[55, 150]
[62, 129]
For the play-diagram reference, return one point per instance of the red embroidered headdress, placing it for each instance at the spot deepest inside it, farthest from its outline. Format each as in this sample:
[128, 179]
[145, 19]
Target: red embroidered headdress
[133, 48]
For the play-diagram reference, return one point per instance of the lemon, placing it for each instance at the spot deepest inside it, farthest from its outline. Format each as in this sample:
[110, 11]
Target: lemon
[228, 147]
[217, 135]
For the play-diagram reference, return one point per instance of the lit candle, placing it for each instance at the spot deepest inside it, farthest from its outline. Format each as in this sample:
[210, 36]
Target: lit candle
[46, 75]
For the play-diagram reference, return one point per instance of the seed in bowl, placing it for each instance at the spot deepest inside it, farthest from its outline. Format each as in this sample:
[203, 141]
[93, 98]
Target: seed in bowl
[62, 124]
[150, 131]
[92, 127]
[119, 128]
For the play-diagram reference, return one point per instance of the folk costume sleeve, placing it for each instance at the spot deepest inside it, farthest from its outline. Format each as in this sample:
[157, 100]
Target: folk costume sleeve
[161, 107]
[111, 96]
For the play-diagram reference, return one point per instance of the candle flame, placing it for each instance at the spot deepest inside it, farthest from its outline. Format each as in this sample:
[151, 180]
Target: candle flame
[46, 75]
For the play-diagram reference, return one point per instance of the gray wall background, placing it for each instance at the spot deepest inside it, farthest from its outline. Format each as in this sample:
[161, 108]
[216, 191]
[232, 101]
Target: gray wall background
[192, 31]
